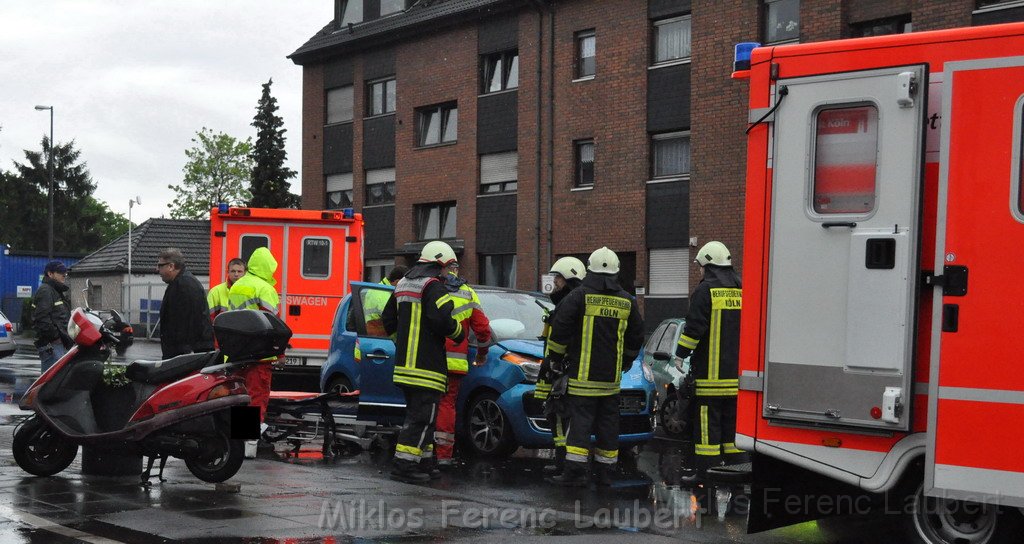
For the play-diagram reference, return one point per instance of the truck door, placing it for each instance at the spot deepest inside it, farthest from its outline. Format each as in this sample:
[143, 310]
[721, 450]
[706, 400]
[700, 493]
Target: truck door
[847, 163]
[976, 402]
[314, 283]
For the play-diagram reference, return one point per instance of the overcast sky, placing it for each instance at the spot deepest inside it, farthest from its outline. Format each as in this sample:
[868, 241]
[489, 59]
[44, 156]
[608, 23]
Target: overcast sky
[132, 81]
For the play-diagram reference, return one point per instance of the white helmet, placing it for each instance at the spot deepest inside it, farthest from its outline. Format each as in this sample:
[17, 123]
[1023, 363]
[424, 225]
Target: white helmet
[604, 261]
[569, 267]
[438, 252]
[714, 253]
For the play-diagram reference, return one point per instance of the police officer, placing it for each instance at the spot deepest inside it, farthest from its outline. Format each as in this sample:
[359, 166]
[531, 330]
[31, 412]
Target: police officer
[712, 334]
[420, 312]
[596, 328]
[568, 273]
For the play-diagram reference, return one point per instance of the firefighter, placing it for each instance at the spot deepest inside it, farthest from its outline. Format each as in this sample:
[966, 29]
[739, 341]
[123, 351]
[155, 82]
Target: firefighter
[712, 334]
[569, 273]
[420, 313]
[596, 328]
[217, 298]
[255, 291]
[470, 314]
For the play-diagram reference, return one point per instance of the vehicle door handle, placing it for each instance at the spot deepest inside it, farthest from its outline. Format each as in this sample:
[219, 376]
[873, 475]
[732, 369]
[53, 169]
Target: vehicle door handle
[378, 355]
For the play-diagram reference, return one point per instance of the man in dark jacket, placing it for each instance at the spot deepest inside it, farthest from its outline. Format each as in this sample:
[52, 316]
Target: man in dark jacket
[596, 329]
[50, 315]
[712, 335]
[420, 313]
[185, 325]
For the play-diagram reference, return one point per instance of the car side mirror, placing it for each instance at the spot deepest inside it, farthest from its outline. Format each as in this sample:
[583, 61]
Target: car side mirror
[661, 356]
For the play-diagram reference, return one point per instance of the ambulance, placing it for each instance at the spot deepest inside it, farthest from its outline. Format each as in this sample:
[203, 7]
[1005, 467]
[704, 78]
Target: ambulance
[318, 254]
[883, 306]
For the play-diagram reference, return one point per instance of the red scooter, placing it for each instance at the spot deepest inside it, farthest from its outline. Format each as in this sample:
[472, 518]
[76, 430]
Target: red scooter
[180, 407]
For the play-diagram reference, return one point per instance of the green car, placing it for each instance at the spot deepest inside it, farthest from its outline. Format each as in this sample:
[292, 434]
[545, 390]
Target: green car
[659, 356]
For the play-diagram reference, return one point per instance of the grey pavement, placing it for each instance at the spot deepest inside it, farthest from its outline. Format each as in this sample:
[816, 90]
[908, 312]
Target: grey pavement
[284, 497]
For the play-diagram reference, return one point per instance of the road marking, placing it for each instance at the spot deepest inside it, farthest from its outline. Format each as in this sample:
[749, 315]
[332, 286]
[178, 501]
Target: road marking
[53, 527]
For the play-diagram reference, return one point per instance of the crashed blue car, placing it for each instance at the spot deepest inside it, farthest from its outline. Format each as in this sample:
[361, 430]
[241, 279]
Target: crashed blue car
[497, 411]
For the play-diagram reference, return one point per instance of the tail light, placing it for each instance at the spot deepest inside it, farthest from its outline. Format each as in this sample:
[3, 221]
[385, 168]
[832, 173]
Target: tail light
[225, 389]
[9, 327]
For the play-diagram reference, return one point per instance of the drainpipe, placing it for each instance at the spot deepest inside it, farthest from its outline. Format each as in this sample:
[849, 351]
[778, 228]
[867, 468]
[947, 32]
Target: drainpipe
[551, 129]
[540, 134]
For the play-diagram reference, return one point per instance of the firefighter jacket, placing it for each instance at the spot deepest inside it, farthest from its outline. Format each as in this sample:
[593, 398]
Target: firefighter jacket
[595, 329]
[255, 290]
[545, 378]
[51, 312]
[420, 312]
[470, 315]
[217, 299]
[712, 333]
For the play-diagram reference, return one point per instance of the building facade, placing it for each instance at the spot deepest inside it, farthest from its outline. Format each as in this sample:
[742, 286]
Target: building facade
[525, 130]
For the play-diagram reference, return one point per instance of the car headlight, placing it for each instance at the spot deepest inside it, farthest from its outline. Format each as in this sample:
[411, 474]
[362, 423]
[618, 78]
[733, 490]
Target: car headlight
[531, 371]
[648, 373]
[529, 365]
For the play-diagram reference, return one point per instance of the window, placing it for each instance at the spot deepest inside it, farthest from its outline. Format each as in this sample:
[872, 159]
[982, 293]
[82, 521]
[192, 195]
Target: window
[498, 270]
[437, 124]
[500, 71]
[584, 163]
[381, 97]
[339, 105]
[672, 39]
[434, 221]
[249, 243]
[845, 160]
[316, 258]
[339, 191]
[375, 270]
[669, 272]
[380, 186]
[387, 7]
[781, 21]
[586, 54]
[670, 155]
[880, 27]
[499, 173]
[351, 12]
[652, 343]
[1018, 176]
[669, 342]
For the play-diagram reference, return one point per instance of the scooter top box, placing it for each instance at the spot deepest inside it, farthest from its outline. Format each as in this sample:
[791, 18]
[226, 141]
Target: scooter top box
[251, 334]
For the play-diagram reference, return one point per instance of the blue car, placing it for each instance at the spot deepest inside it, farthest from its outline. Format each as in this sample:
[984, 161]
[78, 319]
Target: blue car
[497, 411]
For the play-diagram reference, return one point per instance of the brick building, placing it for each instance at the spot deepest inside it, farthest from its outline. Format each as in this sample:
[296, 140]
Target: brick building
[525, 130]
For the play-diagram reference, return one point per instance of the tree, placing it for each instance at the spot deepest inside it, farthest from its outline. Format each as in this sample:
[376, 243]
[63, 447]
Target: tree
[81, 222]
[269, 184]
[217, 169]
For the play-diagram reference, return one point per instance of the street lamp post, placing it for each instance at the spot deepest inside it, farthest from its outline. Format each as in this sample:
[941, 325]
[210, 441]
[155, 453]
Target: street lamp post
[49, 243]
[131, 203]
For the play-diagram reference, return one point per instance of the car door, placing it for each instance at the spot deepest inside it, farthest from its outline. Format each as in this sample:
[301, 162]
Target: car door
[378, 395]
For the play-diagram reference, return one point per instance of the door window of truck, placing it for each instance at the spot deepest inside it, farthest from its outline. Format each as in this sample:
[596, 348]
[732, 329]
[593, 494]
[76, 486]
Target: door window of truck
[1018, 163]
[845, 160]
[316, 258]
[249, 243]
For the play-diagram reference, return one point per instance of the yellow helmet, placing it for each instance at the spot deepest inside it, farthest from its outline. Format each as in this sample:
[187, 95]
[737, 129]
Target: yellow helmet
[569, 267]
[438, 252]
[714, 253]
[604, 261]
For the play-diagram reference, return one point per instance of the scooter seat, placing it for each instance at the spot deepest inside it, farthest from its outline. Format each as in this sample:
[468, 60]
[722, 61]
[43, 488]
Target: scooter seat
[157, 372]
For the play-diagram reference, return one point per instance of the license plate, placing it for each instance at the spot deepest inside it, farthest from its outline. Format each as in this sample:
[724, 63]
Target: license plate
[295, 361]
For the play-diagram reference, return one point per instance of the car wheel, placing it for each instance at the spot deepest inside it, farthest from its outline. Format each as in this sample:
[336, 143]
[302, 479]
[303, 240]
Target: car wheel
[488, 431]
[339, 384]
[671, 418]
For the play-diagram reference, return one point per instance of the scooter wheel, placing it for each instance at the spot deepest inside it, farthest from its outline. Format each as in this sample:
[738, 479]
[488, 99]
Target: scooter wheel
[40, 450]
[222, 466]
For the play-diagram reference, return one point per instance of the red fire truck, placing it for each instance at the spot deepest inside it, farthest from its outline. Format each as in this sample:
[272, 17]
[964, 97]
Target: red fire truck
[882, 312]
[318, 254]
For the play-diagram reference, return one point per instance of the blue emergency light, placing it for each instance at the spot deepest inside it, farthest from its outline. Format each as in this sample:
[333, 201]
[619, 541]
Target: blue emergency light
[348, 213]
[222, 207]
[741, 56]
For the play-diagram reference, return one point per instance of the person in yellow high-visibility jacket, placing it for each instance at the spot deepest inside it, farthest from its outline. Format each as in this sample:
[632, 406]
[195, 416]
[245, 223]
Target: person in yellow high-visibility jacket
[255, 291]
[217, 298]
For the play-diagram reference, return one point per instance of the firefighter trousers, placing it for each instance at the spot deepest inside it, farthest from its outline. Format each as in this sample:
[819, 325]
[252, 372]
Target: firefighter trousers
[714, 432]
[558, 424]
[597, 415]
[416, 439]
[444, 436]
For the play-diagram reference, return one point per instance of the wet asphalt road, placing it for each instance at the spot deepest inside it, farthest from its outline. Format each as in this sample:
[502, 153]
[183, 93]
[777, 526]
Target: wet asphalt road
[284, 497]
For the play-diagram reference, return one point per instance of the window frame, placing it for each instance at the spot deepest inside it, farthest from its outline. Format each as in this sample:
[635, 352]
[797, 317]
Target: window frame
[655, 24]
[903, 24]
[656, 284]
[327, 105]
[812, 193]
[343, 9]
[241, 245]
[367, 184]
[371, 95]
[302, 259]
[405, 6]
[444, 111]
[1017, 168]
[450, 212]
[508, 186]
[486, 71]
[680, 135]
[578, 169]
[506, 274]
[578, 38]
[350, 191]
[766, 11]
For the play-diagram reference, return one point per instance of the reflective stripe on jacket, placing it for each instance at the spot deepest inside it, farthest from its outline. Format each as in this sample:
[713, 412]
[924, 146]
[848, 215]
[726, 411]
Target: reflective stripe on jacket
[468, 312]
[712, 333]
[217, 299]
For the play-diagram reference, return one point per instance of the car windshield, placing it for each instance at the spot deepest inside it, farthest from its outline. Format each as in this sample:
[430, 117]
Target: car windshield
[514, 316]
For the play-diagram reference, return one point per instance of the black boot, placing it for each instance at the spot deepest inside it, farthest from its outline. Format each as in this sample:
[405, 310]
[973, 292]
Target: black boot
[408, 471]
[574, 475]
[602, 474]
[557, 464]
[429, 467]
